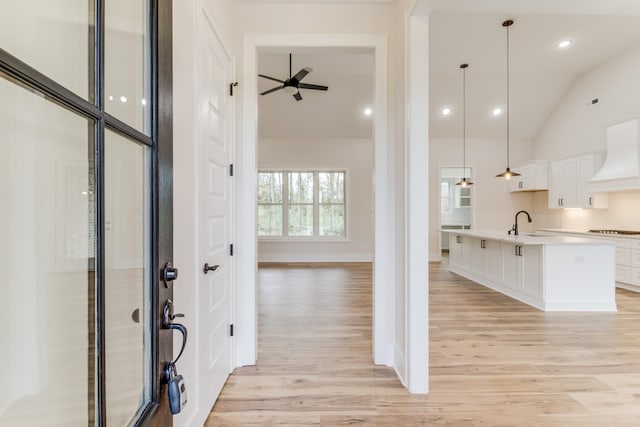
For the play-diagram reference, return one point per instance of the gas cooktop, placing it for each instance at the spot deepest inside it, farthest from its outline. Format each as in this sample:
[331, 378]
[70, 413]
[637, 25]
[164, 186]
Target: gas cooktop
[623, 232]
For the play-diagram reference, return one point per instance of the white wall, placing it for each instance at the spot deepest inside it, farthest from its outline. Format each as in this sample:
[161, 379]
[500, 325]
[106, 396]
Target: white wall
[353, 155]
[493, 206]
[574, 129]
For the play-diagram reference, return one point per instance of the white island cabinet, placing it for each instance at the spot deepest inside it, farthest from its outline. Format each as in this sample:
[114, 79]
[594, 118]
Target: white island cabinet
[551, 273]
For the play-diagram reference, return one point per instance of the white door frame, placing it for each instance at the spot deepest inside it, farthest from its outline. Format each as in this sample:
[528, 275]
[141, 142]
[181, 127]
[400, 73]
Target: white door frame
[384, 254]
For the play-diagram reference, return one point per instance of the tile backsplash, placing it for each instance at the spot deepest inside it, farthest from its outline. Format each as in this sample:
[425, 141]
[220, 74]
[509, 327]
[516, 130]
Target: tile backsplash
[623, 213]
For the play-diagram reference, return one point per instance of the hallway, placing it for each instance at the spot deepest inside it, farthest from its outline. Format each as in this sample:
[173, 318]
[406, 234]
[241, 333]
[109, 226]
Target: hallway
[493, 360]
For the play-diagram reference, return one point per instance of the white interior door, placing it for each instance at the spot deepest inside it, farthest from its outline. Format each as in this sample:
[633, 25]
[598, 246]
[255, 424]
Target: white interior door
[215, 141]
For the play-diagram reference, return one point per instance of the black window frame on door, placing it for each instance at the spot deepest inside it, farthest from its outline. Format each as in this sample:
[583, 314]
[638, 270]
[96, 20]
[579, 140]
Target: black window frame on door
[160, 143]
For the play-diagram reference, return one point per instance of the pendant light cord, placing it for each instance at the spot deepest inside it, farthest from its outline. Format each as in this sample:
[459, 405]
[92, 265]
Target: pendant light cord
[464, 122]
[464, 181]
[508, 157]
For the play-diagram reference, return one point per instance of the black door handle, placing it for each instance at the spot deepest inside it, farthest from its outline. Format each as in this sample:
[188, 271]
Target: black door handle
[207, 268]
[168, 318]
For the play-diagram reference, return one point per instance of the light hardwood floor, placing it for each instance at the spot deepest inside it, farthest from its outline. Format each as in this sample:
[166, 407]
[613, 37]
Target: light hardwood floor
[493, 360]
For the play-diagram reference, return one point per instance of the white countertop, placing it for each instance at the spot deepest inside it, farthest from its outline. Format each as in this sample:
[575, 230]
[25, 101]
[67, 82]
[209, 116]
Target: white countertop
[592, 235]
[531, 238]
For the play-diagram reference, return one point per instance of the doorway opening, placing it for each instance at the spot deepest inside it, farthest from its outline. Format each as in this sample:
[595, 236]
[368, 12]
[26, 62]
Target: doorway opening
[382, 250]
[315, 156]
[456, 202]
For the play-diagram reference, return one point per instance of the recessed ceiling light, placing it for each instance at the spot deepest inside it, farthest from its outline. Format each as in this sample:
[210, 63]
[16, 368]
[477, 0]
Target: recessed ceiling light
[497, 111]
[143, 101]
[564, 44]
[446, 111]
[367, 111]
[123, 99]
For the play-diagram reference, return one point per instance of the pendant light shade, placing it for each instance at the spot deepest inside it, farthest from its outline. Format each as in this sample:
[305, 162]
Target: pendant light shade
[508, 173]
[464, 182]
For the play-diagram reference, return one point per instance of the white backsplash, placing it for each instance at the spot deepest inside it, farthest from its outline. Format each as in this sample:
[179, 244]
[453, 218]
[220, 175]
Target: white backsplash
[623, 214]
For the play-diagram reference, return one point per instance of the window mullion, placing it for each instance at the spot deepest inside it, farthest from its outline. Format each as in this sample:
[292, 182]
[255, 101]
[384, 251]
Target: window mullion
[285, 203]
[316, 209]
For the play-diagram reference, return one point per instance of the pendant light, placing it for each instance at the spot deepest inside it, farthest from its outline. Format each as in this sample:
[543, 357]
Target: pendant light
[464, 182]
[508, 173]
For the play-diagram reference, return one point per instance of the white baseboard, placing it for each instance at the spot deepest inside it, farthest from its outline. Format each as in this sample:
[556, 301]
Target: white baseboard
[315, 257]
[399, 365]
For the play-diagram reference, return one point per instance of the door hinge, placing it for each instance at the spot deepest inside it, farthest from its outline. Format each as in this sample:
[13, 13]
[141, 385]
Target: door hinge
[231, 249]
[231, 330]
[231, 169]
[231, 86]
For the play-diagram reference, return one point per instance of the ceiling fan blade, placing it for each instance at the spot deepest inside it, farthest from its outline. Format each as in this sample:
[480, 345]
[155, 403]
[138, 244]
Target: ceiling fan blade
[297, 96]
[309, 86]
[300, 74]
[271, 78]
[272, 90]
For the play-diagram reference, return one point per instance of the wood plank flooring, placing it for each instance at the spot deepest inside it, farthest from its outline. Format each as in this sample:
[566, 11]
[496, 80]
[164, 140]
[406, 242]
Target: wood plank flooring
[493, 360]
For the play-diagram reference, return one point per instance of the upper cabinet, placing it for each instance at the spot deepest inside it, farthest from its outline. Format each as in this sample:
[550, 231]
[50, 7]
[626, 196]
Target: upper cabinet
[533, 177]
[568, 181]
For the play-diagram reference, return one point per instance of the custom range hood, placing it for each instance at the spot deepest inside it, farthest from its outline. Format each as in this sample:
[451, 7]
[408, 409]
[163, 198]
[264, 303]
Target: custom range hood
[621, 169]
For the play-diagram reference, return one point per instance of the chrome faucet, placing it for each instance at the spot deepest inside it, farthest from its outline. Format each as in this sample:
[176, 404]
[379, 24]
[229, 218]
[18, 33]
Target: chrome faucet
[515, 226]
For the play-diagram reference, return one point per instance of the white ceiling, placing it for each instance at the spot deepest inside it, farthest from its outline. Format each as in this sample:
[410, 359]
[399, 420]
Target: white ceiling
[336, 113]
[540, 73]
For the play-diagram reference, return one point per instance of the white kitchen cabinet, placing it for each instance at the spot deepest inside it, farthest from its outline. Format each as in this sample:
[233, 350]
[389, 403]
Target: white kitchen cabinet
[460, 248]
[478, 257]
[509, 265]
[521, 269]
[533, 177]
[568, 183]
[587, 166]
[562, 184]
[455, 250]
[486, 259]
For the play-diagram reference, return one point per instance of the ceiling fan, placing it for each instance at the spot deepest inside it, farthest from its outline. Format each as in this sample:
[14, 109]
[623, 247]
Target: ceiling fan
[293, 85]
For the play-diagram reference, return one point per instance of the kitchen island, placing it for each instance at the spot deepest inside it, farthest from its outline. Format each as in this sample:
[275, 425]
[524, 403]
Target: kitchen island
[551, 273]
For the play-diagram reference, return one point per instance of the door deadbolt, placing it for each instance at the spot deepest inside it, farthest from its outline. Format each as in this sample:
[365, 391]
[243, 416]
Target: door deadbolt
[169, 274]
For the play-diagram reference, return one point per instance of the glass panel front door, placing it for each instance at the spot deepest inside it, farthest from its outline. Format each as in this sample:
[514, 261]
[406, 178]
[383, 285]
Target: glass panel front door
[82, 247]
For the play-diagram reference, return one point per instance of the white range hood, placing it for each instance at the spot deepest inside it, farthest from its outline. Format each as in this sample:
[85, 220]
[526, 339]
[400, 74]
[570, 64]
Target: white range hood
[621, 169]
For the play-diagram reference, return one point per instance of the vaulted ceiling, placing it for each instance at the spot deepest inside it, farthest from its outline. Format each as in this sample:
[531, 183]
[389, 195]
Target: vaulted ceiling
[540, 71]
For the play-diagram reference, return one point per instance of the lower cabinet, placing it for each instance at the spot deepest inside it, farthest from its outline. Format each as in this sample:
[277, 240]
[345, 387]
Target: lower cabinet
[486, 259]
[522, 269]
[516, 269]
[460, 251]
